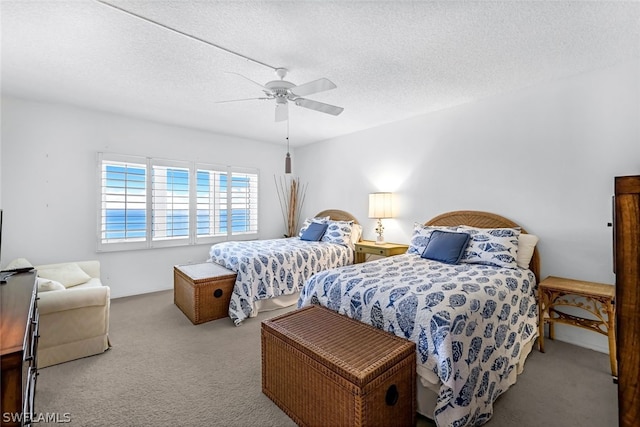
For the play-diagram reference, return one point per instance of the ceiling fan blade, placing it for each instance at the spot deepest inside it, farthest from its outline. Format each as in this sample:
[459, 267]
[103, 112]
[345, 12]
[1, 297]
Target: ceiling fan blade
[247, 78]
[315, 86]
[244, 99]
[318, 106]
[282, 112]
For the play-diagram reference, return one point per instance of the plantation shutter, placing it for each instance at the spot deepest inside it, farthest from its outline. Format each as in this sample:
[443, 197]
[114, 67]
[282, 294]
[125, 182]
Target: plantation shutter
[211, 195]
[170, 200]
[244, 202]
[146, 203]
[123, 207]
[227, 202]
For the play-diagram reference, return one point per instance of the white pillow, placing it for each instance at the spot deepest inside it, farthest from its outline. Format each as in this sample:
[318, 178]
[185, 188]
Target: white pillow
[68, 274]
[356, 233]
[46, 285]
[526, 245]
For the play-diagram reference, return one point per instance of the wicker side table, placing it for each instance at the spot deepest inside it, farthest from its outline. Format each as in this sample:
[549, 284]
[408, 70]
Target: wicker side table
[595, 298]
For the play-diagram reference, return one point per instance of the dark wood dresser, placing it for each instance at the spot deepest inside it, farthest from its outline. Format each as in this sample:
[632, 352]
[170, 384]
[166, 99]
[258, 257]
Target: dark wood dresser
[18, 348]
[627, 269]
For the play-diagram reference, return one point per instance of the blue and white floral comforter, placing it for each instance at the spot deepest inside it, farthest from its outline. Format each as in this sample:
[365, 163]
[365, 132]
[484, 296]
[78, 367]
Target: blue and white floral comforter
[469, 322]
[271, 268]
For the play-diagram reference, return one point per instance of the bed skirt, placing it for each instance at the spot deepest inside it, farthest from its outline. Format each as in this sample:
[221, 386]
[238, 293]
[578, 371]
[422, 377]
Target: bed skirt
[274, 303]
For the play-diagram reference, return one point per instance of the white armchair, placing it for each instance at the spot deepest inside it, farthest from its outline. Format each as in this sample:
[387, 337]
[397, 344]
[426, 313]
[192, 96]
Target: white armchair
[74, 319]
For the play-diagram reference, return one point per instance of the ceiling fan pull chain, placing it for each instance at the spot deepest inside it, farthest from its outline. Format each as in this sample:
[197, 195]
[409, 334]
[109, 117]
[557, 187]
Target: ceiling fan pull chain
[287, 159]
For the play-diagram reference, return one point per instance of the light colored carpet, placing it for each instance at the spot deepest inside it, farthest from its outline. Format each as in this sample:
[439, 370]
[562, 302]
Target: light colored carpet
[164, 371]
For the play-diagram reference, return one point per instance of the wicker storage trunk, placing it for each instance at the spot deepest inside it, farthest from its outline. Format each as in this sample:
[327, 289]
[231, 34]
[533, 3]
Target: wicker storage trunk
[325, 369]
[203, 291]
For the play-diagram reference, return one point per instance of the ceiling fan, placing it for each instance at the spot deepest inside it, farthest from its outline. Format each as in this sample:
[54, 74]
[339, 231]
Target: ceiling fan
[284, 92]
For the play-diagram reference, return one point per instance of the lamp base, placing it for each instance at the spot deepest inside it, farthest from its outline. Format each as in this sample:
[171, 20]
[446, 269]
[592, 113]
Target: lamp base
[380, 240]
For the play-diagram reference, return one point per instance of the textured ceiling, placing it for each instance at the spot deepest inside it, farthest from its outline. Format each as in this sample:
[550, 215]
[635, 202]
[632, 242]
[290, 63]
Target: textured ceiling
[390, 60]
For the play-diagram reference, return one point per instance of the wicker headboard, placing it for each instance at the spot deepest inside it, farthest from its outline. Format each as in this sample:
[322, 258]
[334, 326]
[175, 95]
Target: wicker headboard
[484, 220]
[338, 215]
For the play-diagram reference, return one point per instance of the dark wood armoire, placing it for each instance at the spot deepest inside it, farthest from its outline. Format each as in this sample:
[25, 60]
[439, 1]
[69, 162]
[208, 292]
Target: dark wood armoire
[627, 269]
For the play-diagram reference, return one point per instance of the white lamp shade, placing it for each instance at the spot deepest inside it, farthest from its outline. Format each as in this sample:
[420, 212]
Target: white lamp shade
[380, 205]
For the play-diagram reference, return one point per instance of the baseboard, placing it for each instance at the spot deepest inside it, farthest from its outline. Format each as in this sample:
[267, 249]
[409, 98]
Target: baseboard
[581, 338]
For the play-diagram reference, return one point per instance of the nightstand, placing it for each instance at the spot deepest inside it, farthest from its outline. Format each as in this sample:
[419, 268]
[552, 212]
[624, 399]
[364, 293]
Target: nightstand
[369, 247]
[594, 298]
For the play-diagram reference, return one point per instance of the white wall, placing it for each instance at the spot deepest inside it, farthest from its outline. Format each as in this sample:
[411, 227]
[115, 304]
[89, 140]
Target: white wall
[49, 186]
[544, 157]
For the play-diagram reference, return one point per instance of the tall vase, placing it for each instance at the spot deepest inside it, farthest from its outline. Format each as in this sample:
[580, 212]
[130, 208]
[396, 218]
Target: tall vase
[291, 196]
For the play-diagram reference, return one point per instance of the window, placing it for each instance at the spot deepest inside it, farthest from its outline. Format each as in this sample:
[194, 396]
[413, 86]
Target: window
[124, 205]
[154, 203]
[227, 202]
[169, 200]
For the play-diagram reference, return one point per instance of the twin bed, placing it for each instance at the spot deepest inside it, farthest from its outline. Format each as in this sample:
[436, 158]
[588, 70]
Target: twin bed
[474, 322]
[271, 272]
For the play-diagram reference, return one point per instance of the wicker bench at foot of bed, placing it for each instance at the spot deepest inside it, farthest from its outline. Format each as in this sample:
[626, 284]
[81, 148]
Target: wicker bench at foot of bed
[325, 369]
[203, 291]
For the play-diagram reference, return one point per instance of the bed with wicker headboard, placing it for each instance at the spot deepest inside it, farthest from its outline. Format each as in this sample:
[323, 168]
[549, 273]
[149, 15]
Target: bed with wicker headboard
[270, 272]
[484, 220]
[474, 322]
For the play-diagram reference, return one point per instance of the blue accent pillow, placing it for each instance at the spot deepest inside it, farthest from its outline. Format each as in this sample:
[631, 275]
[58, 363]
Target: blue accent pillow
[421, 235]
[314, 232]
[446, 247]
[308, 221]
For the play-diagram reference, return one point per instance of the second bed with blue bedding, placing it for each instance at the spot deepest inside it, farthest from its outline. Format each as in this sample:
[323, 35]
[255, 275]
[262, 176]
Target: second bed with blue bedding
[473, 322]
[277, 268]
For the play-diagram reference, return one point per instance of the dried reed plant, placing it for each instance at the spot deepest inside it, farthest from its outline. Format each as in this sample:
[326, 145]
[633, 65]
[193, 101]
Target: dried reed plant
[291, 195]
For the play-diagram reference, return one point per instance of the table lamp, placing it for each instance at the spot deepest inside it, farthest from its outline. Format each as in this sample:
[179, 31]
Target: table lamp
[379, 208]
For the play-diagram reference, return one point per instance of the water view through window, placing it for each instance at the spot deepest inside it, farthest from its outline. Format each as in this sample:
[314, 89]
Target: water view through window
[125, 202]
